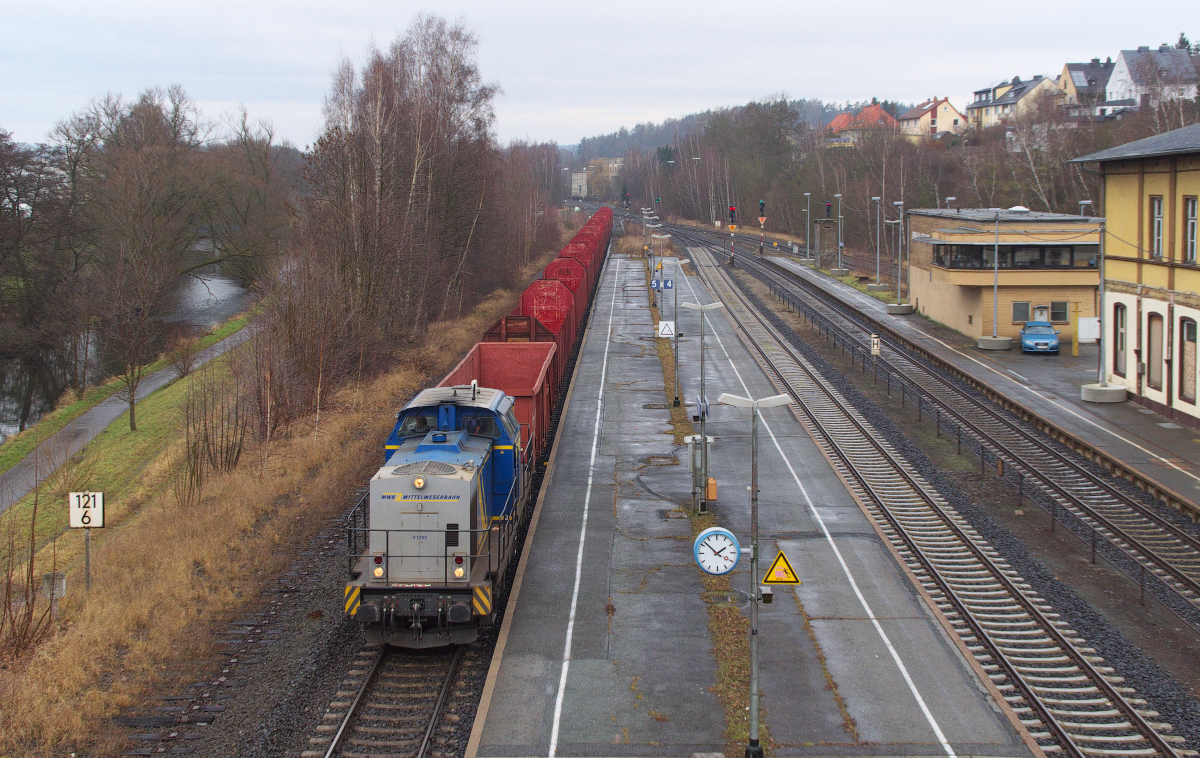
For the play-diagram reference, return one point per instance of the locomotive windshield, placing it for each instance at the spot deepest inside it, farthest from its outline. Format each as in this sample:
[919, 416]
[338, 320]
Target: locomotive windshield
[417, 425]
[482, 426]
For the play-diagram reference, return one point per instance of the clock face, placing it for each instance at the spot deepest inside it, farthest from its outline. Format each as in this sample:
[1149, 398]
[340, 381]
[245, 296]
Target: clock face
[717, 551]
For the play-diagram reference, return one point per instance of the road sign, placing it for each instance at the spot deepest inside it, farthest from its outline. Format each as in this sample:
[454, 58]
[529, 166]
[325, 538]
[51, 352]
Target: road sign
[762, 220]
[668, 284]
[874, 344]
[666, 329]
[781, 572]
[87, 510]
[733, 227]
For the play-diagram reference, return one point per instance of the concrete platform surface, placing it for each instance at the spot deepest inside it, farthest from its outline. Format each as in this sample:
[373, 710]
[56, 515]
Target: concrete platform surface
[606, 648]
[1049, 385]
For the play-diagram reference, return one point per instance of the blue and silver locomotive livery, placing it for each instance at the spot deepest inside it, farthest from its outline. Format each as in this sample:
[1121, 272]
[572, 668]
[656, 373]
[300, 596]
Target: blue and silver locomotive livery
[429, 543]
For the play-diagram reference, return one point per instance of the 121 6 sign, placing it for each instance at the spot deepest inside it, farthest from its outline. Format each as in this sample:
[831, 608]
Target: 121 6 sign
[87, 510]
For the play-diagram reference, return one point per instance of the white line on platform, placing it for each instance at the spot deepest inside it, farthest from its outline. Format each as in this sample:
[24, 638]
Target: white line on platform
[862, 600]
[587, 499]
[1014, 373]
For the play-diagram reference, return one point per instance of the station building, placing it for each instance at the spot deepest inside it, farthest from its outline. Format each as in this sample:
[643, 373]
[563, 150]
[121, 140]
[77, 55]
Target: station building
[1048, 268]
[1152, 282]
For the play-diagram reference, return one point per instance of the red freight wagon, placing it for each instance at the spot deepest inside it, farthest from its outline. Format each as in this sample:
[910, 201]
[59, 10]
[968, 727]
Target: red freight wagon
[571, 273]
[527, 329]
[523, 372]
[583, 253]
[549, 301]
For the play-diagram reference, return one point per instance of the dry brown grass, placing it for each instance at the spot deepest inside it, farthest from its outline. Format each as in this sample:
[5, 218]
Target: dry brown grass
[168, 575]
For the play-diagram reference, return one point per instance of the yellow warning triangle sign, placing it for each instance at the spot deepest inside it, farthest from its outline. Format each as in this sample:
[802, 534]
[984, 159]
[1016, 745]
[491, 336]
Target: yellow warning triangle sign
[781, 572]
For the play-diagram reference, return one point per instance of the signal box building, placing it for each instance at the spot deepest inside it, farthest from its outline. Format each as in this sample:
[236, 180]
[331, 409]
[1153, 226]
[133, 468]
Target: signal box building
[1048, 268]
[1152, 282]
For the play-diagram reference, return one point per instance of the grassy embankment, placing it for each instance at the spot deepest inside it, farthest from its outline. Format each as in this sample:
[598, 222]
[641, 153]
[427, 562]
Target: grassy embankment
[166, 576]
[16, 448]
[728, 627]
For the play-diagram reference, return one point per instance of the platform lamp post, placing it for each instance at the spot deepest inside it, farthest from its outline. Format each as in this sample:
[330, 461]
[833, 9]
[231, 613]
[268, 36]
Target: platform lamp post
[996, 281]
[808, 226]
[840, 243]
[949, 200]
[660, 255]
[877, 215]
[899, 206]
[702, 403]
[754, 749]
[675, 340]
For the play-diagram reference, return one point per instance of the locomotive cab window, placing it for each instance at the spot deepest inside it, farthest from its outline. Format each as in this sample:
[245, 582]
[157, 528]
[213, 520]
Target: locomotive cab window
[481, 426]
[417, 424]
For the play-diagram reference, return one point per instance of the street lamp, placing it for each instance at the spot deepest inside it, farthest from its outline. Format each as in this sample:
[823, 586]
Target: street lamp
[807, 226]
[1102, 379]
[899, 206]
[753, 749]
[877, 213]
[702, 404]
[949, 200]
[840, 243]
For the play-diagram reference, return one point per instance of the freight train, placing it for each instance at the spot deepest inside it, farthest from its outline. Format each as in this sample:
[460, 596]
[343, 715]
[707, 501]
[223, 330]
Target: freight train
[430, 543]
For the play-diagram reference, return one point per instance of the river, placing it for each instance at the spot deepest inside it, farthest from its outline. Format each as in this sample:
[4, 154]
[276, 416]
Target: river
[31, 389]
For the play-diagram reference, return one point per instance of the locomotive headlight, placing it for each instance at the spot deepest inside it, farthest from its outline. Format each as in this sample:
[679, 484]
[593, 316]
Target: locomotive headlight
[378, 572]
[458, 572]
[419, 482]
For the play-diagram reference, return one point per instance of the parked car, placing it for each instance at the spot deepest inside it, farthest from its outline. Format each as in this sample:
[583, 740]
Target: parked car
[1039, 337]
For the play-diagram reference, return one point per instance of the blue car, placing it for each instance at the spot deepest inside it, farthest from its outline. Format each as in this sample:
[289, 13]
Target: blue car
[1039, 337]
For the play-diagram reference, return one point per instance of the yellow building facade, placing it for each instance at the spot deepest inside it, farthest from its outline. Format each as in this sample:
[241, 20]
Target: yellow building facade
[1048, 269]
[1152, 282]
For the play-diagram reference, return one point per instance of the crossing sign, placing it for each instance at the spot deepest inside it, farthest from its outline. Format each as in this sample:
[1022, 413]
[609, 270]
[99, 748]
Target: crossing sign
[781, 572]
[666, 329]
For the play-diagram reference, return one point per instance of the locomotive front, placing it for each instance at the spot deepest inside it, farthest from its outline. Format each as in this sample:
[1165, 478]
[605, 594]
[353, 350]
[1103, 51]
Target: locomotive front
[426, 544]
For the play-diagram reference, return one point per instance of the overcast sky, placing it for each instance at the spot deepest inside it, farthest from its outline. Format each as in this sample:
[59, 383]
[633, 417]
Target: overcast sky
[568, 69]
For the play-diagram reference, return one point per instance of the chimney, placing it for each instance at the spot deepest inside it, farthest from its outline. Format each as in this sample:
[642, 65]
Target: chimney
[1095, 61]
[1164, 48]
[1144, 49]
[1108, 60]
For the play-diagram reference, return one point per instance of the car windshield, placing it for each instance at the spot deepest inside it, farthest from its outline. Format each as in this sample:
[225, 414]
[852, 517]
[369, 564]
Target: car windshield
[1039, 330]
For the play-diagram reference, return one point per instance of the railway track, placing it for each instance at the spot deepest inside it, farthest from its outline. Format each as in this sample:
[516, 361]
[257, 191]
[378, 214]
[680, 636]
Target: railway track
[1144, 544]
[1070, 702]
[390, 705]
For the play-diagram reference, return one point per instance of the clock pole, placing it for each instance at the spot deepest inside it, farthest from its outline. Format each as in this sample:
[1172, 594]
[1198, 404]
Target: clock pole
[754, 748]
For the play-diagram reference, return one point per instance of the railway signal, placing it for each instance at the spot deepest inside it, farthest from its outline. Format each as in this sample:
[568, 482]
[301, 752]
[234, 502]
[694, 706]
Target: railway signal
[762, 207]
[732, 215]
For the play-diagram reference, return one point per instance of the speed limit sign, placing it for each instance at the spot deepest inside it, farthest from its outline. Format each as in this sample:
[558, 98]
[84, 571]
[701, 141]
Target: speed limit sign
[87, 510]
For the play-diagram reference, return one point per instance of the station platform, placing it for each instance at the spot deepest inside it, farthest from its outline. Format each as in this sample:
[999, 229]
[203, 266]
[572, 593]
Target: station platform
[606, 647]
[1049, 385]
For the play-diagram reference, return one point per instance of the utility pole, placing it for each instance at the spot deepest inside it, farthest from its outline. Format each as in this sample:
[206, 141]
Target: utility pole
[841, 244]
[877, 213]
[808, 226]
[899, 205]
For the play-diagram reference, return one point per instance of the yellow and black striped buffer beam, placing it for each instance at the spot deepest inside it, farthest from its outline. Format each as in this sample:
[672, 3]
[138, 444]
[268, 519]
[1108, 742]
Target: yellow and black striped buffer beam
[352, 599]
[481, 599]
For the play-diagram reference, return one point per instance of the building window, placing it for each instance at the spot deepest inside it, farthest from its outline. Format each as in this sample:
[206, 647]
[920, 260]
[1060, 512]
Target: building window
[1156, 226]
[1119, 339]
[1189, 229]
[1020, 312]
[1058, 310]
[1187, 360]
[956, 122]
[1154, 351]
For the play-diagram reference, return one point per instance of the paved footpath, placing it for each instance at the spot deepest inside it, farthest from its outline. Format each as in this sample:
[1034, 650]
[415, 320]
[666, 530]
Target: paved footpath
[19, 480]
[606, 649]
[1048, 385]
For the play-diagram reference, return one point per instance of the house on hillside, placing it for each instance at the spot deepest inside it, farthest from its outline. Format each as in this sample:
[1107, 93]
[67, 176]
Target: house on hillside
[1145, 77]
[1151, 302]
[1008, 100]
[931, 118]
[848, 128]
[1084, 87]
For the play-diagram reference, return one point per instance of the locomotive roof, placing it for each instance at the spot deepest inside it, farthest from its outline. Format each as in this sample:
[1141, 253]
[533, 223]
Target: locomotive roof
[484, 397]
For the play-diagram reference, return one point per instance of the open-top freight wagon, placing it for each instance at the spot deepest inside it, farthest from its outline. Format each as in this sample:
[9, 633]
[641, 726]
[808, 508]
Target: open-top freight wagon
[429, 545]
